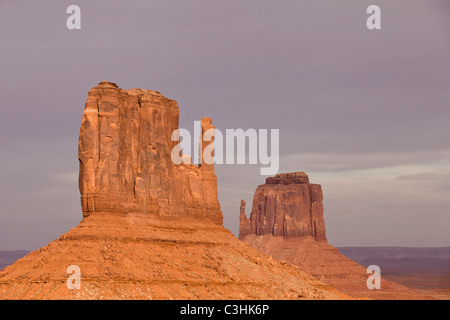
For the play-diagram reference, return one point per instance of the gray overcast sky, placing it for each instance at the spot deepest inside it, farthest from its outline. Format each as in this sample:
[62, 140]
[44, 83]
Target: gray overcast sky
[364, 113]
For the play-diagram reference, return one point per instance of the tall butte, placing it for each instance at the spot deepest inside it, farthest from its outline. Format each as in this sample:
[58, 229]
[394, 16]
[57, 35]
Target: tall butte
[287, 223]
[151, 229]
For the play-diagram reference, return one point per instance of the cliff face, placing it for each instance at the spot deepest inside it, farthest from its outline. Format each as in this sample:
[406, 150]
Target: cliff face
[286, 205]
[151, 229]
[125, 158]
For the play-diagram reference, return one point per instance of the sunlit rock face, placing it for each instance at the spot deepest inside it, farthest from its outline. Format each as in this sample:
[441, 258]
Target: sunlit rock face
[125, 158]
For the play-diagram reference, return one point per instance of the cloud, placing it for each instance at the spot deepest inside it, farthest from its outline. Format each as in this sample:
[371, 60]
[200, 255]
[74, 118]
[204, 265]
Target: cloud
[349, 161]
[427, 176]
[377, 208]
[68, 176]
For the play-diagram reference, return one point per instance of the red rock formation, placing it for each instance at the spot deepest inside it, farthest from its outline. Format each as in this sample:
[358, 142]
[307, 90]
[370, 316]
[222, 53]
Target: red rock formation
[286, 205]
[150, 229]
[245, 226]
[125, 158]
[287, 223]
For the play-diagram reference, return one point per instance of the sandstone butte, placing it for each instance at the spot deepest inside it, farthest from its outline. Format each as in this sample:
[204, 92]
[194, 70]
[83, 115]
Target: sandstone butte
[150, 229]
[287, 223]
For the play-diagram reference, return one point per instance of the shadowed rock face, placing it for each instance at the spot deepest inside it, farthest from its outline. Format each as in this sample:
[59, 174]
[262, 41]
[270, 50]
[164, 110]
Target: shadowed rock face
[125, 158]
[286, 205]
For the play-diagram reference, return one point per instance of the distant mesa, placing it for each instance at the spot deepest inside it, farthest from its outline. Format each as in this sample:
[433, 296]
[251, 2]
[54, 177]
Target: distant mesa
[286, 205]
[287, 223]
